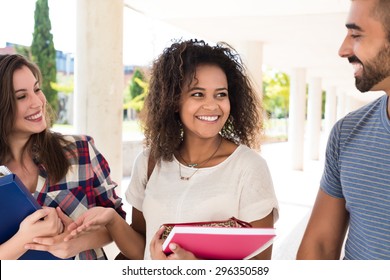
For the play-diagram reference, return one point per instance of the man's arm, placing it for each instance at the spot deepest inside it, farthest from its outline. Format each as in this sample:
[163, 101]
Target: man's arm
[326, 229]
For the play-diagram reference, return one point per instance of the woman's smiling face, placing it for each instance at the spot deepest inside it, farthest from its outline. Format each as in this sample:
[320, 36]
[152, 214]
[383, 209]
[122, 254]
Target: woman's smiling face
[204, 103]
[30, 104]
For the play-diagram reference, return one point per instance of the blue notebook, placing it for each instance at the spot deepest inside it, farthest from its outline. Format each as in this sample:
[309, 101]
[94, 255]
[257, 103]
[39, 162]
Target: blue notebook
[16, 203]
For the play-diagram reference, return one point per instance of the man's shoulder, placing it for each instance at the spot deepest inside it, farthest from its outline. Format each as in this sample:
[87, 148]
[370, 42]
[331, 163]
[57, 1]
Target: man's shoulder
[360, 117]
[372, 106]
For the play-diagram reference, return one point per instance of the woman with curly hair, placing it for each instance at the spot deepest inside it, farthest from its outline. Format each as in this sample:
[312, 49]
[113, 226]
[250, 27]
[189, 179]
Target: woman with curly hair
[65, 174]
[202, 122]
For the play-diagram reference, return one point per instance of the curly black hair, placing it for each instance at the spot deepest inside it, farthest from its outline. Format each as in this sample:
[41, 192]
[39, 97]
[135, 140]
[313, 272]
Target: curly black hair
[171, 72]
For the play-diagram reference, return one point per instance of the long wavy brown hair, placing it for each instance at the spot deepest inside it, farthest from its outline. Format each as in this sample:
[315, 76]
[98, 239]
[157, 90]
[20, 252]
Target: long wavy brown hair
[45, 147]
[171, 72]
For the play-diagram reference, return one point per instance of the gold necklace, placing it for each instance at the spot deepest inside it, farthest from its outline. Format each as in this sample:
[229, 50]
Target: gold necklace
[184, 178]
[192, 165]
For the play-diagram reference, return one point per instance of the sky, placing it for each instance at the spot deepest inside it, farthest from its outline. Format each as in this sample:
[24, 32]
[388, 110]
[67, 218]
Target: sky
[17, 26]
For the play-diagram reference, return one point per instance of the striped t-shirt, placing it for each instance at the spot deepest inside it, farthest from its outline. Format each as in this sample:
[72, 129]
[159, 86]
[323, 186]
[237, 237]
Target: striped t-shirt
[357, 169]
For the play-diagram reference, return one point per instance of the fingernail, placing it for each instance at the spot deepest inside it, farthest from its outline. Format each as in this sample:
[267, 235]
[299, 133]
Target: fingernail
[172, 246]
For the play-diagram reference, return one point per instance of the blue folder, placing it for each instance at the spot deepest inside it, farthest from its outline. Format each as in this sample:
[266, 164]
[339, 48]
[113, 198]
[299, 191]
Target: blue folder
[16, 203]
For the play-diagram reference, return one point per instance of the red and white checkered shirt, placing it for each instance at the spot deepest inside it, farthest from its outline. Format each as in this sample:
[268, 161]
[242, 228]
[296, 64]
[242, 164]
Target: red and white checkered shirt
[87, 184]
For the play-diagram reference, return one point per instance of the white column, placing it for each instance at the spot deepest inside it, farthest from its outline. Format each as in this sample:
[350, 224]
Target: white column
[340, 104]
[351, 103]
[296, 124]
[330, 109]
[314, 111]
[99, 77]
[251, 53]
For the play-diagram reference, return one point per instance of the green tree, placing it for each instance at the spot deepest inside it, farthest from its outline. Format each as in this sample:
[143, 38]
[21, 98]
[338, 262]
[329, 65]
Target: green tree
[134, 88]
[23, 50]
[43, 51]
[64, 84]
[137, 103]
[137, 90]
[276, 88]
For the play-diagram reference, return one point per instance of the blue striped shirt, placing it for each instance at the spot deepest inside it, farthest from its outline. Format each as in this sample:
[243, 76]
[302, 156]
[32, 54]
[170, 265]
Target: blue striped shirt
[357, 168]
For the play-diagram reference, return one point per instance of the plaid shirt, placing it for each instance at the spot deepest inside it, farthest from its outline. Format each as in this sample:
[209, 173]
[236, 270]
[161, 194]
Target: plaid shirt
[87, 184]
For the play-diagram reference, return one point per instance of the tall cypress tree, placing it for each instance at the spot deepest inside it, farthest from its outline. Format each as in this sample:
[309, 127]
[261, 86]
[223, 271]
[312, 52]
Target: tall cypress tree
[43, 51]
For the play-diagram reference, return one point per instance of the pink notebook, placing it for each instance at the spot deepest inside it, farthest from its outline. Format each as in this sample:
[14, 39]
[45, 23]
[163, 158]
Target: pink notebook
[220, 243]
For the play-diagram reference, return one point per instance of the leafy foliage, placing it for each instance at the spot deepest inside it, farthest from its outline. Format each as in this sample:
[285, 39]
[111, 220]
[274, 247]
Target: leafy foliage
[136, 93]
[24, 50]
[43, 51]
[137, 103]
[135, 88]
[276, 88]
[64, 84]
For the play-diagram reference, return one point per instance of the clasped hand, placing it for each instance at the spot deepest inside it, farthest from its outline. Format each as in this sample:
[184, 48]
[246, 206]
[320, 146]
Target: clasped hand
[49, 228]
[43, 222]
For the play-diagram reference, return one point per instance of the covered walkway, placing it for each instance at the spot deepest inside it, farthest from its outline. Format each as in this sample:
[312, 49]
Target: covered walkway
[296, 191]
[299, 37]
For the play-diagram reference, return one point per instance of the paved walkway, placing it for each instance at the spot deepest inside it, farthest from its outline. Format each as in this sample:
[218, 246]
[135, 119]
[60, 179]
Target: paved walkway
[296, 192]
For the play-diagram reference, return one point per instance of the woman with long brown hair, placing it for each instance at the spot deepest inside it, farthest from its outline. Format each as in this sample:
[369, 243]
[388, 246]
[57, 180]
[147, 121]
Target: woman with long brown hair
[67, 174]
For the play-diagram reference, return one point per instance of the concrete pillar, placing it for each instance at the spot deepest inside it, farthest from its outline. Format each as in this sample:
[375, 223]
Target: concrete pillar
[99, 77]
[351, 103]
[314, 112]
[251, 53]
[340, 104]
[330, 109]
[296, 126]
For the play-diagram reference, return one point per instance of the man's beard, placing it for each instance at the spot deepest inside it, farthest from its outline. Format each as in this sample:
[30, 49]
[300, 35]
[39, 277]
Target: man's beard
[374, 71]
